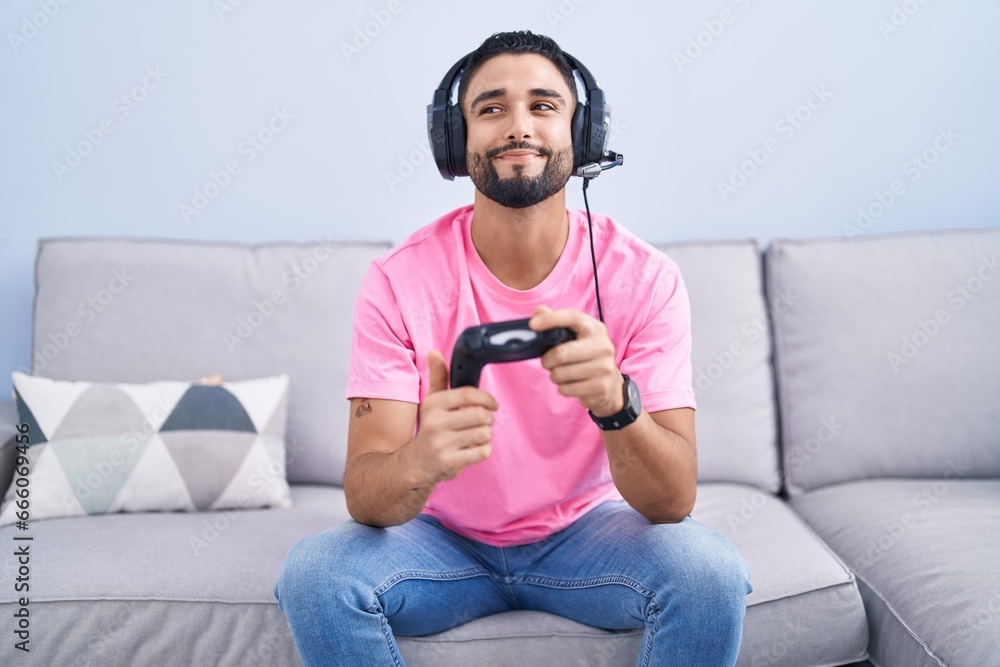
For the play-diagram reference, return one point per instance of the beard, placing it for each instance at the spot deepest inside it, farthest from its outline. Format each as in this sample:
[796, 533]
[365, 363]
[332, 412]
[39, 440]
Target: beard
[520, 191]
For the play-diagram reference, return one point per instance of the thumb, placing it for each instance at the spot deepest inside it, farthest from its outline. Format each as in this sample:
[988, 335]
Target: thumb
[539, 310]
[438, 372]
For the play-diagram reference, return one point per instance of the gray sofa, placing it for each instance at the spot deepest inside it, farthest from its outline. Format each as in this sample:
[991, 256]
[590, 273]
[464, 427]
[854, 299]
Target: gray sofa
[848, 433]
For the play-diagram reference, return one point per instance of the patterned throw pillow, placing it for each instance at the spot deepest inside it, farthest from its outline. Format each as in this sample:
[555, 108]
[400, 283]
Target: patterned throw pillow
[95, 448]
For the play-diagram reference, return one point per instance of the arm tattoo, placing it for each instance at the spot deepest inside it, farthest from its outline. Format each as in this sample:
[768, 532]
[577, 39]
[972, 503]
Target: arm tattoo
[363, 409]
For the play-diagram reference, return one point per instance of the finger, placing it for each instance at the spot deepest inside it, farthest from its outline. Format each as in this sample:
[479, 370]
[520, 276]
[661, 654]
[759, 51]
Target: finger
[471, 455]
[580, 351]
[581, 323]
[540, 310]
[470, 417]
[541, 318]
[465, 396]
[473, 437]
[579, 372]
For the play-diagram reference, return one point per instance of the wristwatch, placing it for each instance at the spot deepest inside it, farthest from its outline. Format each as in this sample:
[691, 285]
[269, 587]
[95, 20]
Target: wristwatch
[628, 414]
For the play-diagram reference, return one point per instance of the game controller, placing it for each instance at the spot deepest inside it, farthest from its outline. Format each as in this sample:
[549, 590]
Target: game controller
[499, 342]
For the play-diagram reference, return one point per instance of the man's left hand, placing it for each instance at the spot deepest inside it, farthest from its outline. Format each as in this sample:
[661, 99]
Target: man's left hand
[584, 367]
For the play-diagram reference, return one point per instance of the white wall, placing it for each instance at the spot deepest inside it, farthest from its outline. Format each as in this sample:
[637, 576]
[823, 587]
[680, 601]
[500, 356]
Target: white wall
[894, 73]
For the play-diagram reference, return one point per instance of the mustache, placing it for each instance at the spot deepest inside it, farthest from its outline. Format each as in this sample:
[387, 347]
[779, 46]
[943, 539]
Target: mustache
[518, 145]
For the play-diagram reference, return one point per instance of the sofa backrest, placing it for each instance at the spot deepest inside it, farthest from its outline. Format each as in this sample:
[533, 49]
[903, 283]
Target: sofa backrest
[731, 362]
[140, 310]
[887, 356]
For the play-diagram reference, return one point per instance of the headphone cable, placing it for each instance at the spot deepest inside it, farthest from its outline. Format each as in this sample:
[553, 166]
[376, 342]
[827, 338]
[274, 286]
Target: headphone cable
[593, 257]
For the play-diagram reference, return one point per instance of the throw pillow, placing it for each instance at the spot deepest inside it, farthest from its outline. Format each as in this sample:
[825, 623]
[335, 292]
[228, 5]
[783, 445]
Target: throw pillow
[96, 448]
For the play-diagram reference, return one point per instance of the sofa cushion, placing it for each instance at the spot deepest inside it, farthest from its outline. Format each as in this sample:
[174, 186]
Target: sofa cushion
[141, 310]
[927, 556]
[97, 447]
[887, 348]
[163, 588]
[178, 589]
[805, 608]
[730, 359]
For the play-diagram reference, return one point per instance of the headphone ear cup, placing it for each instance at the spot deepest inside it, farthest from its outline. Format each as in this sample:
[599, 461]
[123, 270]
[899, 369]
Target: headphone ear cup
[439, 151]
[446, 127]
[456, 141]
[597, 133]
[580, 133]
[437, 129]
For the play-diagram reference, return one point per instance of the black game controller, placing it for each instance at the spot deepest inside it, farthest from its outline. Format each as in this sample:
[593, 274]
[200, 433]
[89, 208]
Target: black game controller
[498, 343]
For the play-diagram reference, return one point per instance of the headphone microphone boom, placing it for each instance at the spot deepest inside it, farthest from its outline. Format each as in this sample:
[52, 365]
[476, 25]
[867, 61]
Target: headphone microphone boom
[594, 169]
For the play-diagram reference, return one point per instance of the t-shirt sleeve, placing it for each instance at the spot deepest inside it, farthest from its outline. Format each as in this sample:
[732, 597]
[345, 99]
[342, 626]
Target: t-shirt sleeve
[383, 361]
[658, 356]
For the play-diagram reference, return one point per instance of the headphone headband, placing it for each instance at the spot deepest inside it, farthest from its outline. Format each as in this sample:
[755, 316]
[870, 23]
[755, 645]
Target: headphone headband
[447, 132]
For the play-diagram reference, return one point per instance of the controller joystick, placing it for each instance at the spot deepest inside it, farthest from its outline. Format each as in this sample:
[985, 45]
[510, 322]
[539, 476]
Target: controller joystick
[499, 342]
[473, 340]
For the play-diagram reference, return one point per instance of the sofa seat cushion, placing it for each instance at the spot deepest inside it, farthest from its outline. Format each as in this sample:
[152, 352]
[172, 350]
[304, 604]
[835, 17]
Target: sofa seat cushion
[805, 608]
[927, 556]
[162, 588]
[186, 589]
[221, 556]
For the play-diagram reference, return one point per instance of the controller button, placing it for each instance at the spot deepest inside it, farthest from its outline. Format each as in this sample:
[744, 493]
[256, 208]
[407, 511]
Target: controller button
[473, 341]
[521, 336]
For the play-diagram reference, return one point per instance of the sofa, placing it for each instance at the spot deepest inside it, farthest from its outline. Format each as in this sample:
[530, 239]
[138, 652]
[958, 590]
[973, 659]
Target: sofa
[848, 429]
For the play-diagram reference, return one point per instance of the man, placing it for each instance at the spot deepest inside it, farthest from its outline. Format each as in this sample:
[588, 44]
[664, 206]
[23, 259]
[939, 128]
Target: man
[472, 501]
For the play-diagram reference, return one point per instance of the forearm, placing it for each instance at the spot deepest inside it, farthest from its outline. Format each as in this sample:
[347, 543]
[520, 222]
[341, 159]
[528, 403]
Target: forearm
[380, 490]
[654, 469]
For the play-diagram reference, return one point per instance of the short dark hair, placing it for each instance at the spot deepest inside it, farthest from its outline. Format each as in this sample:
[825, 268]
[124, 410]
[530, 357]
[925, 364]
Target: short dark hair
[515, 43]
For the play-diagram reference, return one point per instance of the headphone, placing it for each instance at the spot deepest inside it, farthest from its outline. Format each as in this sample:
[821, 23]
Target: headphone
[590, 127]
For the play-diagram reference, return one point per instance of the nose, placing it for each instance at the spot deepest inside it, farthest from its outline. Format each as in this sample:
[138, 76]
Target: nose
[520, 124]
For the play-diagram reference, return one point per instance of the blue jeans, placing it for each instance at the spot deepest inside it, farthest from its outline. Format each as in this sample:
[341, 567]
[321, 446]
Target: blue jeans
[347, 590]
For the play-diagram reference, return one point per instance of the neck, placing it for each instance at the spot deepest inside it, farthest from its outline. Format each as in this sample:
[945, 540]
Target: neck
[520, 246]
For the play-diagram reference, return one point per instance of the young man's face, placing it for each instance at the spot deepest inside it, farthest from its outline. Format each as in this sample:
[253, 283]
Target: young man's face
[518, 113]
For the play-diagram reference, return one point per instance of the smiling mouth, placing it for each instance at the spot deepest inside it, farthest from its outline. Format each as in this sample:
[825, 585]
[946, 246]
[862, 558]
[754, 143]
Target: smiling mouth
[518, 155]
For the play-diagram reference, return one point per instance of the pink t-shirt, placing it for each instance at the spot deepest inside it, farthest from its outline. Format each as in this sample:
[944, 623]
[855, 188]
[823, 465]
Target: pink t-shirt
[549, 465]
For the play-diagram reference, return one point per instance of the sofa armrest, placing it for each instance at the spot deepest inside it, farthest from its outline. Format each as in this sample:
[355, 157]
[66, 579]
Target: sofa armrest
[8, 429]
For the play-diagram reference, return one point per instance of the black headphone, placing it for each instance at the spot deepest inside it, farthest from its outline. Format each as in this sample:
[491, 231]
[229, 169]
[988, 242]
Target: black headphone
[590, 127]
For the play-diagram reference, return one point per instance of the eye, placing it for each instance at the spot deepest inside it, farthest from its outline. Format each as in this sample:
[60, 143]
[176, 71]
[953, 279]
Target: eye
[548, 106]
[487, 109]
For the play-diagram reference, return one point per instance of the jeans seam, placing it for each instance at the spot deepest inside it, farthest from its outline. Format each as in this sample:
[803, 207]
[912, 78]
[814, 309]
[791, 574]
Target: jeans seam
[652, 607]
[376, 608]
[422, 574]
[502, 557]
[587, 583]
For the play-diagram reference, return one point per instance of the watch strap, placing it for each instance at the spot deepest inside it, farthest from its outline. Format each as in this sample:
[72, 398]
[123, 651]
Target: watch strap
[628, 414]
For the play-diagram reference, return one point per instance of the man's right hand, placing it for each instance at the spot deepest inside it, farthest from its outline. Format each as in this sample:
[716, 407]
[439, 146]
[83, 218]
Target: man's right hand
[455, 427]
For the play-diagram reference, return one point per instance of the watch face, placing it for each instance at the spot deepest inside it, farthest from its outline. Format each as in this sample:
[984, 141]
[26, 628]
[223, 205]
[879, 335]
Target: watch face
[633, 394]
[633, 397]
